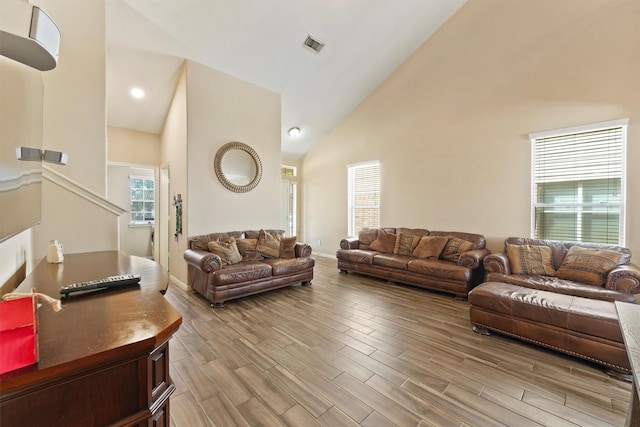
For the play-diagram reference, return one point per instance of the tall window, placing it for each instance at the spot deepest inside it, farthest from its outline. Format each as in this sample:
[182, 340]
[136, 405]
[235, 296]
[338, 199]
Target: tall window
[143, 193]
[579, 183]
[364, 196]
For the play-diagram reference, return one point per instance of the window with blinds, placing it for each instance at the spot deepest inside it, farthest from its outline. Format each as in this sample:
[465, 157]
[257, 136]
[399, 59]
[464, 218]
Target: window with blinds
[578, 180]
[364, 196]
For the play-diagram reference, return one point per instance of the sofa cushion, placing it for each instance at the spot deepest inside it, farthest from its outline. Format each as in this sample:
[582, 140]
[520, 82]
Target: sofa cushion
[367, 237]
[247, 248]
[385, 242]
[268, 244]
[255, 234]
[440, 269]
[244, 271]
[284, 266]
[356, 256]
[287, 247]
[398, 262]
[456, 247]
[530, 259]
[430, 247]
[405, 244]
[587, 265]
[227, 251]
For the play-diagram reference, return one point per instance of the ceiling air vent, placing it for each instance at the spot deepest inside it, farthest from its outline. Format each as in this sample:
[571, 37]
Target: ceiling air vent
[313, 44]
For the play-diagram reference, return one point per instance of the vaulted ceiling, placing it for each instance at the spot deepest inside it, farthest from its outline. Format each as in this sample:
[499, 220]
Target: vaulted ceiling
[261, 41]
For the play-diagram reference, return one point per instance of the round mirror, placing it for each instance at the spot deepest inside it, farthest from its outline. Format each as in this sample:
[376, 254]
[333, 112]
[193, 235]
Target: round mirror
[238, 167]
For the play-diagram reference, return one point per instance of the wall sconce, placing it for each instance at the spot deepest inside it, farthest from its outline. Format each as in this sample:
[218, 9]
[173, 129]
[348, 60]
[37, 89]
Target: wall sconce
[37, 155]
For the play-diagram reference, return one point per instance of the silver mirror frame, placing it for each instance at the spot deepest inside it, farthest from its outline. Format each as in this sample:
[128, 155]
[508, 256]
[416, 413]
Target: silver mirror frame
[217, 166]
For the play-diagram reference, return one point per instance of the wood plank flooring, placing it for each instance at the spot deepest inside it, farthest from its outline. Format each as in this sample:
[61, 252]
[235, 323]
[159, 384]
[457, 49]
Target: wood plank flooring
[356, 351]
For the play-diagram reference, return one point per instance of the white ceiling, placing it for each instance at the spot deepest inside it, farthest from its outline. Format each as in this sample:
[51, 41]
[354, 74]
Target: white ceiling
[261, 41]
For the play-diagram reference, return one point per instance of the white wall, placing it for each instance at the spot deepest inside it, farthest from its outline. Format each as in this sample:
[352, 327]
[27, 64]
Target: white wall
[223, 109]
[450, 125]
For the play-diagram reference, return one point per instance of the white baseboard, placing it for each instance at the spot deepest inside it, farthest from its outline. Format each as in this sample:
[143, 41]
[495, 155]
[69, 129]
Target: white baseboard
[174, 281]
[332, 256]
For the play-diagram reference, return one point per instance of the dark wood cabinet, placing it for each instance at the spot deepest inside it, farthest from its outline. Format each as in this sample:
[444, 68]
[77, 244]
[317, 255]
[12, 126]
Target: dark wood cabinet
[104, 359]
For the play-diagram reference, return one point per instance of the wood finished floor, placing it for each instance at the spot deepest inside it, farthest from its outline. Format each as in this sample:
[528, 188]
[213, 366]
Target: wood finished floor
[356, 351]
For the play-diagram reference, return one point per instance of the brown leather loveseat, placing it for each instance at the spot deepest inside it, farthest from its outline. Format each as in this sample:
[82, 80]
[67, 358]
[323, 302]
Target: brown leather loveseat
[267, 260]
[446, 261]
[559, 295]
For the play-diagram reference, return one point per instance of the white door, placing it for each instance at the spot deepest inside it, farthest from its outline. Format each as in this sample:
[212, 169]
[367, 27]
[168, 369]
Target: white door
[162, 225]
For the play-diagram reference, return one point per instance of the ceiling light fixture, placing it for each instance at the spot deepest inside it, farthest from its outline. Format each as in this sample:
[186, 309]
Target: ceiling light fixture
[294, 132]
[137, 93]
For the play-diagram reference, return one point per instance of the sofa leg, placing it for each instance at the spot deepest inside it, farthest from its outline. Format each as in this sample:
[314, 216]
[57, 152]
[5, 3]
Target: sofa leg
[306, 283]
[218, 304]
[460, 297]
[482, 331]
[343, 271]
[619, 375]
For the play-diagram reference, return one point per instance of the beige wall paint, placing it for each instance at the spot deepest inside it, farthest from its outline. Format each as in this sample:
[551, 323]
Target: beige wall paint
[173, 142]
[132, 146]
[451, 124]
[223, 109]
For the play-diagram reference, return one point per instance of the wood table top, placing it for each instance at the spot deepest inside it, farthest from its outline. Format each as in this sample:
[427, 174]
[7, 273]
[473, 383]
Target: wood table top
[98, 327]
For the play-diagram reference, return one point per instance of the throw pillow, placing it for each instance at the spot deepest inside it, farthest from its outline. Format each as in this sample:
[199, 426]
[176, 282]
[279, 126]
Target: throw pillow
[268, 244]
[456, 247]
[405, 244]
[227, 251]
[530, 259]
[384, 243]
[430, 247]
[589, 266]
[287, 247]
[366, 238]
[247, 248]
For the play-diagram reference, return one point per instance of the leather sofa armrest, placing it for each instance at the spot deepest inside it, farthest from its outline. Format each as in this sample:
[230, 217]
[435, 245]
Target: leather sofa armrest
[624, 278]
[302, 250]
[497, 263]
[473, 259]
[203, 260]
[350, 243]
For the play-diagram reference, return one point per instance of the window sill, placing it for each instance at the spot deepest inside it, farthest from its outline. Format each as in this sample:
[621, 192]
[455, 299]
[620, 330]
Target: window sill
[140, 224]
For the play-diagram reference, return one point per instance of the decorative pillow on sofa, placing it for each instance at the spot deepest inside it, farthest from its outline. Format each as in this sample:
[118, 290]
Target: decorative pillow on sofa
[430, 247]
[589, 266]
[287, 247]
[227, 251]
[247, 248]
[268, 244]
[405, 244]
[456, 247]
[531, 259]
[385, 242]
[366, 238]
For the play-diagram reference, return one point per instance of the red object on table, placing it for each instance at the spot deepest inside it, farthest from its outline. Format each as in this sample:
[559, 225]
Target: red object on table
[18, 333]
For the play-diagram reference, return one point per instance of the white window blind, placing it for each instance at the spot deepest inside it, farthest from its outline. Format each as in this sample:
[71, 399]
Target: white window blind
[578, 184]
[364, 196]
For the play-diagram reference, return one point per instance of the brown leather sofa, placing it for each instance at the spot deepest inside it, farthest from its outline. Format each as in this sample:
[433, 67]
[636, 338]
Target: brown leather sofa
[567, 306]
[220, 282]
[457, 274]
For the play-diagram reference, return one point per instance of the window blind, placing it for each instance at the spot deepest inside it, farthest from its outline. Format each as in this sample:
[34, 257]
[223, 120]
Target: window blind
[578, 182]
[364, 196]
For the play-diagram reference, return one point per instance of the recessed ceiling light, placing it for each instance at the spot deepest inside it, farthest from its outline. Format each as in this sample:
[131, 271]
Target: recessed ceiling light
[137, 93]
[294, 132]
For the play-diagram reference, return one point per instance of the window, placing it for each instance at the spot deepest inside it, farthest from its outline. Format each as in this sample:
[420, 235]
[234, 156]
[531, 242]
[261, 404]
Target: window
[364, 196]
[143, 199]
[578, 182]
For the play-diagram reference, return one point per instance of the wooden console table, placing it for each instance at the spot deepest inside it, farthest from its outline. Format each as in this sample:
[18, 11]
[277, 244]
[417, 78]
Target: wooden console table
[629, 316]
[104, 359]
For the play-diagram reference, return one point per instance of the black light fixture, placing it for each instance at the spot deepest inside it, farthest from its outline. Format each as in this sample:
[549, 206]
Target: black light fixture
[29, 154]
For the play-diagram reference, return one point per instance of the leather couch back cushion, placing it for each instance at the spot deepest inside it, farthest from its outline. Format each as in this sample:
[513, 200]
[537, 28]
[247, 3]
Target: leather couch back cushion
[367, 237]
[477, 239]
[530, 259]
[560, 248]
[201, 243]
[255, 234]
[385, 242]
[587, 265]
[415, 231]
